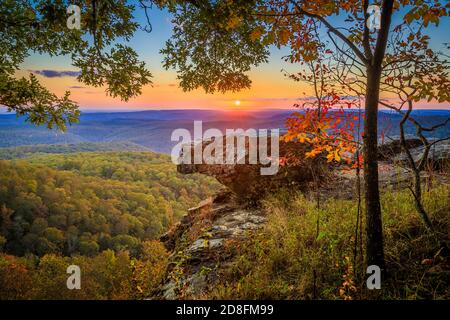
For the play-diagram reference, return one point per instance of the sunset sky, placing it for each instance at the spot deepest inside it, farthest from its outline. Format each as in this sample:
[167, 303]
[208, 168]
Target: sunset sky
[270, 89]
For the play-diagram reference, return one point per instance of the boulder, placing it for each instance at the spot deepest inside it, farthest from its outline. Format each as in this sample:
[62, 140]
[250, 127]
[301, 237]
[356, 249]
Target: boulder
[387, 151]
[246, 180]
[392, 152]
[438, 157]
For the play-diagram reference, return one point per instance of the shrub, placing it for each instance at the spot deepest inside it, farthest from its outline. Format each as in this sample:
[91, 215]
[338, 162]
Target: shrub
[305, 252]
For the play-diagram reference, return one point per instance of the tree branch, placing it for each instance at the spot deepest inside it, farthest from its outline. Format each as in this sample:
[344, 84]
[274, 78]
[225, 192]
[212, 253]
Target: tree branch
[333, 30]
[386, 17]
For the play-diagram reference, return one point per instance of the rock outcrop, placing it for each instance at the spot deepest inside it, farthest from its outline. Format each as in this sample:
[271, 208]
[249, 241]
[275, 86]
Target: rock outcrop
[387, 151]
[246, 180]
[392, 152]
[203, 242]
[438, 157]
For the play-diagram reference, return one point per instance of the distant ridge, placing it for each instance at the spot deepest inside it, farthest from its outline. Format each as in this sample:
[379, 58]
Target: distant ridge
[27, 151]
[152, 129]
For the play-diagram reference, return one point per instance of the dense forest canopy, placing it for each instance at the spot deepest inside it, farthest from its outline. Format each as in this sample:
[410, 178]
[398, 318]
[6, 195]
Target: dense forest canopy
[43, 149]
[94, 206]
[85, 203]
[108, 275]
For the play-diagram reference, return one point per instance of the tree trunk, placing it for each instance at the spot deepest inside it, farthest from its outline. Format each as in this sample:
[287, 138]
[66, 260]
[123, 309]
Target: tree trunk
[374, 227]
[417, 194]
[416, 169]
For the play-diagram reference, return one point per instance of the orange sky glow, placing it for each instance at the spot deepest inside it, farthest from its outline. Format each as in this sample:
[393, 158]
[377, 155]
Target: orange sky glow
[271, 89]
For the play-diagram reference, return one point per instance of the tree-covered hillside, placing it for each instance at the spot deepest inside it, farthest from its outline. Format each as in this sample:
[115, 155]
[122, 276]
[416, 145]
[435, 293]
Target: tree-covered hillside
[85, 203]
[43, 149]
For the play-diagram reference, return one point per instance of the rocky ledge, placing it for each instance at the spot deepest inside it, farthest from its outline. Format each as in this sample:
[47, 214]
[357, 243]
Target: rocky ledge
[392, 152]
[249, 185]
[203, 242]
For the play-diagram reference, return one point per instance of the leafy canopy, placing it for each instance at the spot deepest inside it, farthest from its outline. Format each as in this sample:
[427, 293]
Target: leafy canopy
[41, 27]
[215, 43]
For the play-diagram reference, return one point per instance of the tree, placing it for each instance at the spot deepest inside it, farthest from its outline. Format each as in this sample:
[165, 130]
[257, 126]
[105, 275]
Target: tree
[203, 29]
[149, 270]
[6, 222]
[413, 72]
[2, 243]
[55, 238]
[322, 121]
[41, 27]
[88, 248]
[11, 270]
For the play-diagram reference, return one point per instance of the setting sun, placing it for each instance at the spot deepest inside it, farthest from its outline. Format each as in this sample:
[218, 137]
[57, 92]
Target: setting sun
[237, 103]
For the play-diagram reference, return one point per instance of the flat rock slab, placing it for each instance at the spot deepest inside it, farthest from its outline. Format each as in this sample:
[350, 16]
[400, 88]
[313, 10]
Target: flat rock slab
[196, 259]
[246, 180]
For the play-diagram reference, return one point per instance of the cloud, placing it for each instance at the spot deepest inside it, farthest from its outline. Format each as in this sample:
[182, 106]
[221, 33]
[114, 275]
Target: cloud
[265, 99]
[77, 87]
[56, 74]
[164, 85]
[288, 99]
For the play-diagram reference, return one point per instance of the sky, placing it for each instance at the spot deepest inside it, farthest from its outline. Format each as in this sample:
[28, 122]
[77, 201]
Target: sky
[270, 87]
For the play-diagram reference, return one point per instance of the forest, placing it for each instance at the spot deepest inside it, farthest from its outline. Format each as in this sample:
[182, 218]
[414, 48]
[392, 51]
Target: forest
[58, 203]
[43, 149]
[55, 207]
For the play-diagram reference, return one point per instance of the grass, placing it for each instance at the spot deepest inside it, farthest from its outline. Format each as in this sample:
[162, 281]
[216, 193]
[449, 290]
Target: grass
[305, 252]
